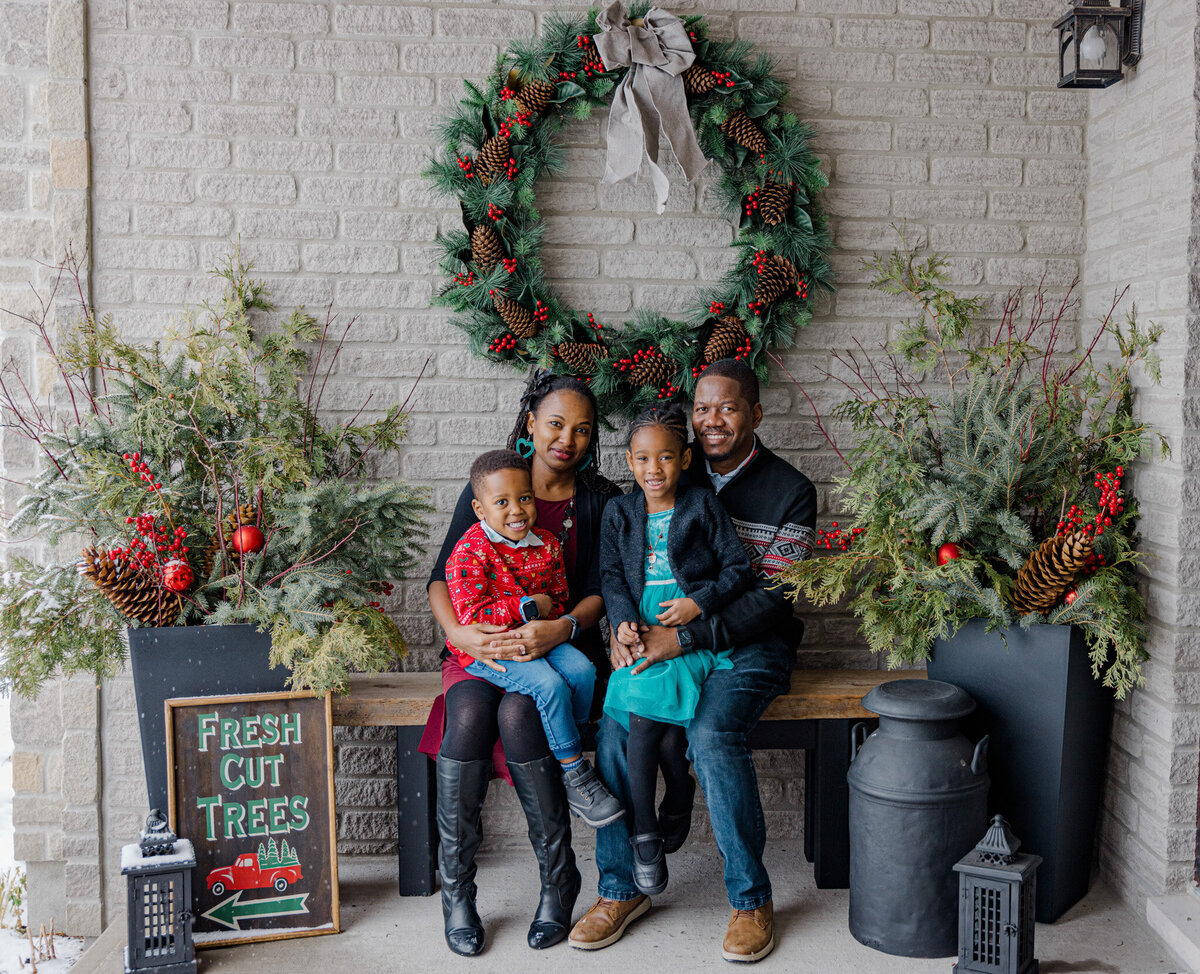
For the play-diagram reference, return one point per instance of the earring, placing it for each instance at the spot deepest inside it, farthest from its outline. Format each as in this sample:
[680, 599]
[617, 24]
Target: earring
[587, 462]
[525, 447]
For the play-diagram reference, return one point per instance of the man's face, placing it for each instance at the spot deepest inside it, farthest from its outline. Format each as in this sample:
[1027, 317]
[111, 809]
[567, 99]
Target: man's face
[724, 422]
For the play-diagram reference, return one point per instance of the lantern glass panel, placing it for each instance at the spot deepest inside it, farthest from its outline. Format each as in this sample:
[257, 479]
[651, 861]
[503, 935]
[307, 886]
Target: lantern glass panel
[1100, 49]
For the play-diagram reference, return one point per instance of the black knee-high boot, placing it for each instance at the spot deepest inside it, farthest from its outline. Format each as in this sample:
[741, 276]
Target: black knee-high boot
[462, 786]
[540, 788]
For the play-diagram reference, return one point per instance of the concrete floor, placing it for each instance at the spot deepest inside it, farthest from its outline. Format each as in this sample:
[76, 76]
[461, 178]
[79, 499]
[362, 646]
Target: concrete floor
[682, 932]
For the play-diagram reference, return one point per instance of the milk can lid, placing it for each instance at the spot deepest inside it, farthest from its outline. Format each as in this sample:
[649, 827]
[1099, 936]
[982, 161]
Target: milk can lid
[919, 700]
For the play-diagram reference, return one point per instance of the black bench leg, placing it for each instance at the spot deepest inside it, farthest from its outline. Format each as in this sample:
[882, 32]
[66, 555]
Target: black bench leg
[828, 797]
[416, 814]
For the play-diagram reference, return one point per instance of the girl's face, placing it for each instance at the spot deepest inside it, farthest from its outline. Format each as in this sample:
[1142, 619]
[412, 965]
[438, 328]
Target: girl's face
[656, 458]
[561, 430]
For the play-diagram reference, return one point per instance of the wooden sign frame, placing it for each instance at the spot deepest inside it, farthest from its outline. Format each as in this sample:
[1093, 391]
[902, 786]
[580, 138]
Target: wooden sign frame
[280, 926]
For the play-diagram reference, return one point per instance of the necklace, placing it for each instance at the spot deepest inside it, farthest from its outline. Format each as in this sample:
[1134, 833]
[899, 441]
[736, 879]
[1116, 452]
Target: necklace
[653, 556]
[568, 520]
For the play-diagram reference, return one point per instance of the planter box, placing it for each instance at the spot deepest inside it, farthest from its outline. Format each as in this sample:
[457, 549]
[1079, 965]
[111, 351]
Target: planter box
[192, 661]
[1049, 722]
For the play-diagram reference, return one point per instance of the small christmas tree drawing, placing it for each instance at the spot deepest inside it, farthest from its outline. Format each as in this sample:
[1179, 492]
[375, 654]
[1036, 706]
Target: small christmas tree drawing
[287, 855]
[270, 857]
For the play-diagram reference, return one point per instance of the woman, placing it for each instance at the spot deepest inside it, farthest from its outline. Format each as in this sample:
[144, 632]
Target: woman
[556, 430]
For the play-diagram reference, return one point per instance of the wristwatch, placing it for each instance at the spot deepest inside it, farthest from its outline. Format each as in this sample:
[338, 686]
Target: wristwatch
[574, 625]
[684, 637]
[529, 609]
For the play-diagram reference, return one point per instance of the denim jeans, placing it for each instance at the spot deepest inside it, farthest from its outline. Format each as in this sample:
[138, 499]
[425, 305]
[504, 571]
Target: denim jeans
[731, 703]
[561, 685]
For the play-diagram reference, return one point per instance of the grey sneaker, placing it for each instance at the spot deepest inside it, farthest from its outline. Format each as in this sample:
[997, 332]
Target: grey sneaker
[588, 798]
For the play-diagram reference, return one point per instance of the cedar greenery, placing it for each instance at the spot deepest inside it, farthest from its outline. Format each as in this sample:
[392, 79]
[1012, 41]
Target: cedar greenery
[985, 439]
[224, 412]
[484, 291]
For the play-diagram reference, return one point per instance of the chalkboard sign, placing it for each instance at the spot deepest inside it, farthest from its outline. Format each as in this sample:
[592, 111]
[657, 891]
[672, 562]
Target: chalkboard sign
[251, 784]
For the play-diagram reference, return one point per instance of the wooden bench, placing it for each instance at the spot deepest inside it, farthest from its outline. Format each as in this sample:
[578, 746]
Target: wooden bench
[817, 714]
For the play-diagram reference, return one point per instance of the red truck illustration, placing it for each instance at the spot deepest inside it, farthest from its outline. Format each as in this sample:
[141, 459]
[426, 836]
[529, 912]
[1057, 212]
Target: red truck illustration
[246, 873]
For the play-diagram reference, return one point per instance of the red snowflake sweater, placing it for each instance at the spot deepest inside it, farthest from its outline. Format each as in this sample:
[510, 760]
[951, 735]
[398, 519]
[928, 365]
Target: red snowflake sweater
[487, 581]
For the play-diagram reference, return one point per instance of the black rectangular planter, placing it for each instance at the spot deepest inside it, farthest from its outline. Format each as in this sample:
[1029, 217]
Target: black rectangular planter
[192, 661]
[1049, 723]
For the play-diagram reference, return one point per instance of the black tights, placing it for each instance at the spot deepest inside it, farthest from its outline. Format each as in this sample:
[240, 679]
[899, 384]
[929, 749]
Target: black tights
[477, 712]
[652, 745]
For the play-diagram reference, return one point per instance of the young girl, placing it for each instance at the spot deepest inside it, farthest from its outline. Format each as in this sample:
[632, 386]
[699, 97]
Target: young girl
[667, 556]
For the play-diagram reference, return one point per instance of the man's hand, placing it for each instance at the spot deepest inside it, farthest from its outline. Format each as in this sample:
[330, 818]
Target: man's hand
[658, 643]
[545, 606]
[678, 612]
[619, 654]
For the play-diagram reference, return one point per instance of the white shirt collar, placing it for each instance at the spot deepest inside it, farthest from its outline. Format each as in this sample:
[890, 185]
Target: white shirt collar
[530, 540]
[719, 480]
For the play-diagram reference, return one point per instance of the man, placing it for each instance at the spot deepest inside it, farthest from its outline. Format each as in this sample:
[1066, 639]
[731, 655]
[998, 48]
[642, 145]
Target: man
[773, 508]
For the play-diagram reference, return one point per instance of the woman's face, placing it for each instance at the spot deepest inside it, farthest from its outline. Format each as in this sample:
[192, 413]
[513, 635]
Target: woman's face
[561, 429]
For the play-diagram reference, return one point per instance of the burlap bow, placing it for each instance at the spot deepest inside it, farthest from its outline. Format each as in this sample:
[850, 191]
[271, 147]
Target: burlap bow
[651, 95]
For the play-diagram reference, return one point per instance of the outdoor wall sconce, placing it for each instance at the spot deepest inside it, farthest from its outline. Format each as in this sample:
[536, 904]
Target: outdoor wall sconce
[996, 895]
[1094, 39]
[159, 898]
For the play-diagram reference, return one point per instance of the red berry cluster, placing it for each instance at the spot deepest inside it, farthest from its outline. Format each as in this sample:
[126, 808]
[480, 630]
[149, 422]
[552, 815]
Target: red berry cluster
[692, 35]
[494, 212]
[625, 364]
[723, 78]
[510, 169]
[139, 467]
[505, 343]
[144, 549]
[802, 287]
[1112, 504]
[506, 93]
[837, 538]
[716, 307]
[742, 350]
[697, 370]
[566, 75]
[755, 307]
[381, 588]
[510, 263]
[466, 280]
[374, 605]
[752, 201]
[591, 58]
[464, 163]
[596, 326]
[667, 391]
[541, 312]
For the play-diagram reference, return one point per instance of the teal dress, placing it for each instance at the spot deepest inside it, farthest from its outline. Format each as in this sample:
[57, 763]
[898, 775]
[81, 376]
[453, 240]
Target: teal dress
[669, 690]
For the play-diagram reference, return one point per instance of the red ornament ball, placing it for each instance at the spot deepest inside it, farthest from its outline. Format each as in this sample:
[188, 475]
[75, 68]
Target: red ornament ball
[247, 539]
[948, 552]
[177, 576]
[1071, 596]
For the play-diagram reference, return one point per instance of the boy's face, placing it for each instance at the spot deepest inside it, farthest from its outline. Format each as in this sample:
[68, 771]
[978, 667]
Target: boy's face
[505, 503]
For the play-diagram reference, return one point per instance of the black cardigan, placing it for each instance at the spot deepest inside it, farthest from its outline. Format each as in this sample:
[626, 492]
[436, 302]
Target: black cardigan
[585, 579]
[707, 559]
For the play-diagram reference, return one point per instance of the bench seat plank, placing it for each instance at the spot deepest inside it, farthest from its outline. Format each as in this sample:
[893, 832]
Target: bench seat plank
[403, 699]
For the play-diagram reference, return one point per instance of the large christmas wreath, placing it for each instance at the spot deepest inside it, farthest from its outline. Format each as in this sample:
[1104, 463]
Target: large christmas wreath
[502, 137]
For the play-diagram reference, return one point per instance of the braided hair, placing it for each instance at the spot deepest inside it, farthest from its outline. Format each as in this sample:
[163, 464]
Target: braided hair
[542, 383]
[670, 416]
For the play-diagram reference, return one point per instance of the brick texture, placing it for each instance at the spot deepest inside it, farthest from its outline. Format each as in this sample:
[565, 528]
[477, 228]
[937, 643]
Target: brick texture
[302, 129]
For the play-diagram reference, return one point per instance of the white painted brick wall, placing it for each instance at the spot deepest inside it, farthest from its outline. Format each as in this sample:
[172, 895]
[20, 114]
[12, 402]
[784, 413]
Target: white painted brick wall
[1141, 201]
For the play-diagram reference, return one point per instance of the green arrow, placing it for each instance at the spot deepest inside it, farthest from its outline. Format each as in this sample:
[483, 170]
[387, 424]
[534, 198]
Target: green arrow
[229, 912]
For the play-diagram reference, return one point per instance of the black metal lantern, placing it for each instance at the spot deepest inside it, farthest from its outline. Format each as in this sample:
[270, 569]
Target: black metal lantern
[1094, 39]
[159, 897]
[996, 896]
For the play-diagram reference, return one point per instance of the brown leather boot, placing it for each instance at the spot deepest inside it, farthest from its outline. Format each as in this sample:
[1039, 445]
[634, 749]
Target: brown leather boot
[604, 923]
[751, 934]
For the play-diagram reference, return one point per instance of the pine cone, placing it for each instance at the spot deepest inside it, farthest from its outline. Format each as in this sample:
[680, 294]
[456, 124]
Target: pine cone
[776, 277]
[774, 199]
[727, 337]
[698, 80]
[535, 96]
[742, 129]
[655, 370]
[1050, 571]
[581, 357]
[491, 158]
[486, 249]
[133, 593]
[520, 320]
[245, 514]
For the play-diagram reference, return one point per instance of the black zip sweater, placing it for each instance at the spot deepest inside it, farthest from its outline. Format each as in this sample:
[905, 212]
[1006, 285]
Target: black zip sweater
[774, 512]
[707, 559]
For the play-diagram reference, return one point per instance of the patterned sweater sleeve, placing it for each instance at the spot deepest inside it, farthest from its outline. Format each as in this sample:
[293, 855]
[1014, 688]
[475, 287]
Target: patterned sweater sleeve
[471, 591]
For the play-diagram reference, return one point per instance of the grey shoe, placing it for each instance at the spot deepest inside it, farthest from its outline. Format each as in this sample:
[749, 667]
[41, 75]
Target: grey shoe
[588, 798]
[649, 863]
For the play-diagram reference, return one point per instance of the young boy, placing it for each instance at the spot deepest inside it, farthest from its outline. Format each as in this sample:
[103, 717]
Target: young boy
[505, 571]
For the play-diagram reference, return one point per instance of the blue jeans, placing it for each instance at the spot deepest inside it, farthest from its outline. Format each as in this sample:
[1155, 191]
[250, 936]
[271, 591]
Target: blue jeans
[731, 703]
[560, 683]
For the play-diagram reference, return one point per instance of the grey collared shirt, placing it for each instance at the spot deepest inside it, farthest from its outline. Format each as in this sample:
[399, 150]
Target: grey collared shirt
[719, 480]
[530, 540]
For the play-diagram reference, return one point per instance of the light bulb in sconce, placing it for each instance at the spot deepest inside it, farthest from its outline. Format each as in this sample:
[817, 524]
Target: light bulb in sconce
[1093, 47]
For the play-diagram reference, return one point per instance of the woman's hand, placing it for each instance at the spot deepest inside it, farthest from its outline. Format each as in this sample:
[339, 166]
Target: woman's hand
[535, 639]
[678, 612]
[480, 641]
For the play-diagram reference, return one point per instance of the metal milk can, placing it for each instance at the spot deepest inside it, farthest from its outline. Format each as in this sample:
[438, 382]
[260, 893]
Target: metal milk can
[918, 803]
